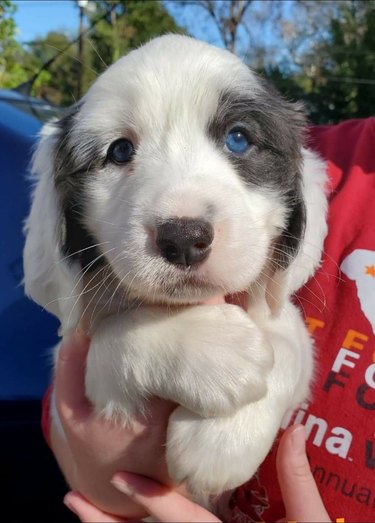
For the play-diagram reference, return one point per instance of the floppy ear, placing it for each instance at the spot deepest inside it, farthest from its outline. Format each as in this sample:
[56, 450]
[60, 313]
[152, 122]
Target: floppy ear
[307, 222]
[286, 248]
[314, 192]
[49, 280]
[297, 252]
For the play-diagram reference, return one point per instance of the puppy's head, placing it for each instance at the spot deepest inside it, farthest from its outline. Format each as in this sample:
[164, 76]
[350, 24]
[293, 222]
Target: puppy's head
[179, 174]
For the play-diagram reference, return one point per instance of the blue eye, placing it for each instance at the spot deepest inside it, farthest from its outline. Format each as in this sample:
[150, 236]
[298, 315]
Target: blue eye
[237, 142]
[121, 151]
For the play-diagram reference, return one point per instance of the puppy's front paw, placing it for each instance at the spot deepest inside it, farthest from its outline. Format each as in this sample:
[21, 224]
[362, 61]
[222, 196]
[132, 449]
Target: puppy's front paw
[228, 367]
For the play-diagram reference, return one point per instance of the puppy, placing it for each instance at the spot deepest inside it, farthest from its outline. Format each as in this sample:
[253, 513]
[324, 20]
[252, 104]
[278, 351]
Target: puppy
[178, 178]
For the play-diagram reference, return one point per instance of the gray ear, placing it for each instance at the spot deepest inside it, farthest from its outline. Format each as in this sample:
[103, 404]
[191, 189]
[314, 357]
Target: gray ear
[284, 125]
[298, 249]
[286, 250]
[73, 160]
[289, 278]
[291, 238]
[49, 280]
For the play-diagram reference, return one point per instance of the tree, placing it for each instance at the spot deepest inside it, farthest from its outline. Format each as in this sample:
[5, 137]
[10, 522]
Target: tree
[58, 82]
[129, 24]
[236, 25]
[227, 17]
[115, 28]
[333, 72]
[345, 84]
[320, 52]
[11, 71]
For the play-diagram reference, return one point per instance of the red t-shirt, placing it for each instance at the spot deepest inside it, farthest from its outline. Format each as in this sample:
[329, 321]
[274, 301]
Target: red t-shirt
[339, 307]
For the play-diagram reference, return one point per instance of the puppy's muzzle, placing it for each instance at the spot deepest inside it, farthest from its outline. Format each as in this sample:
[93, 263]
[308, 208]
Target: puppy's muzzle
[184, 241]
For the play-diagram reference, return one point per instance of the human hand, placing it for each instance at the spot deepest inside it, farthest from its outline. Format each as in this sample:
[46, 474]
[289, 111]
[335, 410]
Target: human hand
[161, 502]
[95, 449]
[300, 494]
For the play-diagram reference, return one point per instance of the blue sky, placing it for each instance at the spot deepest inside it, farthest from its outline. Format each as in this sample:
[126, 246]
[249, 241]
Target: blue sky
[37, 17]
[34, 18]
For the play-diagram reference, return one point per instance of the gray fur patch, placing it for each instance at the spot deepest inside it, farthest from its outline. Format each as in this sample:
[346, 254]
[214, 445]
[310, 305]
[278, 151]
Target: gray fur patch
[275, 129]
[71, 171]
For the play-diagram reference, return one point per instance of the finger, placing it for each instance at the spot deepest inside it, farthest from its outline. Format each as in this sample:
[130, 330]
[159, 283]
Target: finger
[300, 494]
[160, 502]
[70, 396]
[86, 512]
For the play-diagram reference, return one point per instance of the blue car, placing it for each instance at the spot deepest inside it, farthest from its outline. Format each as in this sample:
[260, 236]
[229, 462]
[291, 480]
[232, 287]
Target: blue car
[30, 482]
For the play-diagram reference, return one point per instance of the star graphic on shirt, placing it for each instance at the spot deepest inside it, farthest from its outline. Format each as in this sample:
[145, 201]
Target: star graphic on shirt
[370, 270]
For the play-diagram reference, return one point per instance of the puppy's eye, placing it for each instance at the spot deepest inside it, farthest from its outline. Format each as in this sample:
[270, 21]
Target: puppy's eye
[121, 151]
[237, 142]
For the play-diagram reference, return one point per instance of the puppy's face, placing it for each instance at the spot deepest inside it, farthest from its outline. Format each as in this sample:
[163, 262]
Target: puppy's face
[184, 171]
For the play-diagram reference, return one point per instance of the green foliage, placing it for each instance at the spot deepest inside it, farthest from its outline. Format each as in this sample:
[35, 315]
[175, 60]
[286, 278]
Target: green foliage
[346, 86]
[57, 83]
[126, 25]
[11, 70]
[339, 81]
[328, 59]
[7, 24]
[130, 24]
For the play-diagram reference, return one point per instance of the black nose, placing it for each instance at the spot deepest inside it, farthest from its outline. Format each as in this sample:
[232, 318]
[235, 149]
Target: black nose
[184, 241]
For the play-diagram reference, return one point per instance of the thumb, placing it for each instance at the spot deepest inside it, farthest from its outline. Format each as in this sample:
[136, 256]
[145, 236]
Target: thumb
[70, 377]
[300, 494]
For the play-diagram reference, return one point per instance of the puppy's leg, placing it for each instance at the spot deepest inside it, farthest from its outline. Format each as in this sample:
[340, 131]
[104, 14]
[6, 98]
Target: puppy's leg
[216, 454]
[213, 455]
[211, 359]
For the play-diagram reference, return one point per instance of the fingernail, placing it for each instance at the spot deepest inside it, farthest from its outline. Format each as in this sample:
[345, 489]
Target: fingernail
[298, 440]
[68, 504]
[123, 486]
[81, 330]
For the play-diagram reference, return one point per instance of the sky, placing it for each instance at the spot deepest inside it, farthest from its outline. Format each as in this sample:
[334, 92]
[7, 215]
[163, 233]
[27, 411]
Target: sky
[37, 17]
[34, 18]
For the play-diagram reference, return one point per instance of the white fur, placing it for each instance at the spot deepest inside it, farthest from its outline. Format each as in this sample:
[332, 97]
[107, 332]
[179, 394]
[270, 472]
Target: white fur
[48, 280]
[234, 374]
